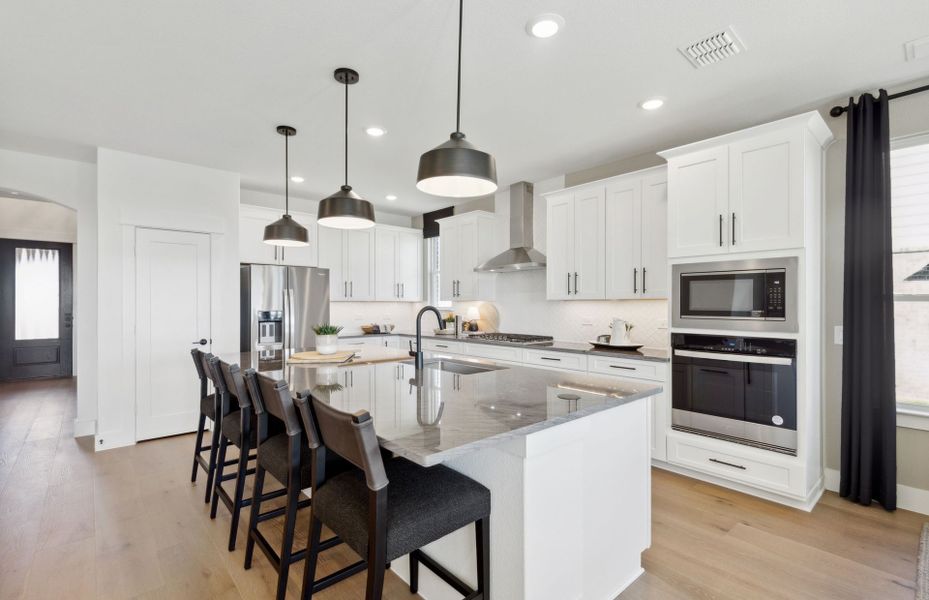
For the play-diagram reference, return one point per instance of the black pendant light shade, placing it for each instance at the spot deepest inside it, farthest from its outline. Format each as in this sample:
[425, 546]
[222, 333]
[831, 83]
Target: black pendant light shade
[456, 169]
[345, 209]
[285, 231]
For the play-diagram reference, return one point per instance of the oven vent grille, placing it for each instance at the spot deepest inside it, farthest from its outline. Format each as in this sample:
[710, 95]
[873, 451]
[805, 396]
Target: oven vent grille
[713, 48]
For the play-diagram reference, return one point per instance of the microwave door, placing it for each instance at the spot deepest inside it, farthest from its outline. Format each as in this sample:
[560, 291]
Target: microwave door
[723, 295]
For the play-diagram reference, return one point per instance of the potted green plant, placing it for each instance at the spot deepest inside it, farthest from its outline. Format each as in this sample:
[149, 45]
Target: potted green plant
[327, 338]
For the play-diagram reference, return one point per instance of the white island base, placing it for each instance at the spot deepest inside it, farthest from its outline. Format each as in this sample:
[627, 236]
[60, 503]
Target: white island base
[571, 511]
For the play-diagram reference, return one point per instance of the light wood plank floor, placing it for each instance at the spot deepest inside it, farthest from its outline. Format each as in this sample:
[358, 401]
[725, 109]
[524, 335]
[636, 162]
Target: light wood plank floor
[127, 523]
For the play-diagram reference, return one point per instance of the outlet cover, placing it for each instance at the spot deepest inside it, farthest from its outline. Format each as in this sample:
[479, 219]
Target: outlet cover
[837, 335]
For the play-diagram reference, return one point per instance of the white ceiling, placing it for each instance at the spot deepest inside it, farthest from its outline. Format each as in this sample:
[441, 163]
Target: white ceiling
[206, 82]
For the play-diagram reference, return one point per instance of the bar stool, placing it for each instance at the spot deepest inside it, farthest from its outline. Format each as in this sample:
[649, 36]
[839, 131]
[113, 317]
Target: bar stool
[286, 456]
[208, 410]
[239, 427]
[386, 509]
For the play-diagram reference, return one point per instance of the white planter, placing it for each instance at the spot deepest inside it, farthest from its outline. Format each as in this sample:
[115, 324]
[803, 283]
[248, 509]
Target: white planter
[327, 344]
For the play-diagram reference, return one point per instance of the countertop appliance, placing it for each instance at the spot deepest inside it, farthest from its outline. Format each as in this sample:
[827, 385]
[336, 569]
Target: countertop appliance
[743, 295]
[518, 339]
[736, 388]
[280, 305]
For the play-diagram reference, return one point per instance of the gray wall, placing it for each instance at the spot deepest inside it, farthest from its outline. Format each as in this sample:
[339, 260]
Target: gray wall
[908, 116]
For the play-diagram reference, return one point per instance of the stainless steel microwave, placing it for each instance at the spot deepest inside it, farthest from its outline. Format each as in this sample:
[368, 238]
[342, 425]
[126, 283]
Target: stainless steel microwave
[743, 295]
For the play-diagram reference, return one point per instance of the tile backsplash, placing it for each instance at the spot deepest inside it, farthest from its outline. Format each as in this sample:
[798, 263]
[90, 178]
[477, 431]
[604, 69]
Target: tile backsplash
[521, 307]
[352, 315]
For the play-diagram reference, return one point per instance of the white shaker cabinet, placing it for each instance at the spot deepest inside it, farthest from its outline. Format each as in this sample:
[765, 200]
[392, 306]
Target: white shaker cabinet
[746, 191]
[465, 241]
[349, 256]
[576, 253]
[253, 250]
[636, 241]
[398, 258]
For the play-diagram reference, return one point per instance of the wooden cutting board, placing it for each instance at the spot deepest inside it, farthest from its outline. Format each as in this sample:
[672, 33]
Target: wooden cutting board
[315, 357]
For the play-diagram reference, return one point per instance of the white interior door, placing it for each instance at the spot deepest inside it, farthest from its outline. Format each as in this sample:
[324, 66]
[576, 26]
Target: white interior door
[172, 315]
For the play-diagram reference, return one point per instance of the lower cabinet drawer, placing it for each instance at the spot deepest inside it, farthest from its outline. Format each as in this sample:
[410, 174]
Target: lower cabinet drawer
[491, 352]
[619, 367]
[731, 465]
[430, 345]
[557, 360]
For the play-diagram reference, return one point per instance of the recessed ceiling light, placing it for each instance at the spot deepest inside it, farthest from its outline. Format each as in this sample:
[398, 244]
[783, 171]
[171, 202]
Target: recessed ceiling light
[375, 131]
[391, 197]
[297, 179]
[652, 104]
[15, 193]
[545, 25]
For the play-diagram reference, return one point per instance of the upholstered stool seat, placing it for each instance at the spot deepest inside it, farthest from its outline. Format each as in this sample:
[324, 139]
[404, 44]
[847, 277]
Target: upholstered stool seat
[423, 505]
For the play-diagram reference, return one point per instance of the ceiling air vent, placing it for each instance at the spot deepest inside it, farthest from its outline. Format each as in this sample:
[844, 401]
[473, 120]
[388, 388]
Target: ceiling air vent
[713, 48]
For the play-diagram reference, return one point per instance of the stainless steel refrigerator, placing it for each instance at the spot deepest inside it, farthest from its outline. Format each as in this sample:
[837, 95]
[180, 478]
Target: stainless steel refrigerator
[280, 305]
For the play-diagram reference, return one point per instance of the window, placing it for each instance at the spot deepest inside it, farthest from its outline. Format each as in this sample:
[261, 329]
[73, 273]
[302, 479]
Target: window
[433, 273]
[36, 301]
[909, 169]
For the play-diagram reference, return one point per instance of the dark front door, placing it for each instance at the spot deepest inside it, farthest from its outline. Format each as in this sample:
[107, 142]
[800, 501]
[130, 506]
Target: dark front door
[36, 293]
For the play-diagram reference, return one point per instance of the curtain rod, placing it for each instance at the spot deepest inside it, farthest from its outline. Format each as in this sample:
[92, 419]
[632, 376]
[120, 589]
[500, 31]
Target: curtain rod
[837, 111]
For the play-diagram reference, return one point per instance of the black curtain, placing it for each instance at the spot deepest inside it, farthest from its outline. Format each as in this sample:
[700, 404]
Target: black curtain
[869, 431]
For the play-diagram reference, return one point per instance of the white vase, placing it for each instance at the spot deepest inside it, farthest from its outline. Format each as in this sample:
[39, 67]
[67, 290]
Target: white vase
[327, 344]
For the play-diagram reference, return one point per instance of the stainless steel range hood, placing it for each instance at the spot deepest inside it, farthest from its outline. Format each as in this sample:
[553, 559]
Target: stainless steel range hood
[521, 256]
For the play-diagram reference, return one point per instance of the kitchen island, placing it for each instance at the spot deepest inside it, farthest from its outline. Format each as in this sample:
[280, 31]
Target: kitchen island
[565, 456]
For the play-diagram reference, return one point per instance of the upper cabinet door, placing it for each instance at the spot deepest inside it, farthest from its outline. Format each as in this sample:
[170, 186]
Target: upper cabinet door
[588, 274]
[698, 188]
[623, 246]
[252, 248]
[559, 253]
[449, 242]
[654, 237]
[386, 284]
[359, 263]
[409, 266]
[766, 192]
[331, 257]
[467, 259]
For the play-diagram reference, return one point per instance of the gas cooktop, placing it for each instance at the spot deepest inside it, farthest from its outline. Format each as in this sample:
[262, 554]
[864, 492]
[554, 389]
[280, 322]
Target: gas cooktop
[521, 339]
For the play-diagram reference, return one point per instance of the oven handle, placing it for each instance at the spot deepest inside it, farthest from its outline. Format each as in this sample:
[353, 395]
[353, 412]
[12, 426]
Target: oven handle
[742, 358]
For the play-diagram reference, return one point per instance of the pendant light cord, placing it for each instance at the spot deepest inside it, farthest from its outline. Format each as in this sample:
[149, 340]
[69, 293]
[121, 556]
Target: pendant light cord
[346, 130]
[286, 174]
[458, 105]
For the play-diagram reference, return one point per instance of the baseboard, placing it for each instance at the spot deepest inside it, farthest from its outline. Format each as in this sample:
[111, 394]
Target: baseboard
[805, 504]
[84, 427]
[908, 498]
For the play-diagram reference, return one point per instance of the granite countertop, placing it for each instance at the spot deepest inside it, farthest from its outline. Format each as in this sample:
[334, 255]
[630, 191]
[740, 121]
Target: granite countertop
[652, 354]
[434, 415]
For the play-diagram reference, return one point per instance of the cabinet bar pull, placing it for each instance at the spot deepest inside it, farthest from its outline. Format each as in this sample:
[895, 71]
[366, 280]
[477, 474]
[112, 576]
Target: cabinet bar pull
[733, 229]
[345, 289]
[569, 284]
[643, 280]
[441, 346]
[575, 283]
[720, 231]
[351, 289]
[622, 367]
[550, 358]
[728, 464]
[635, 281]
[402, 290]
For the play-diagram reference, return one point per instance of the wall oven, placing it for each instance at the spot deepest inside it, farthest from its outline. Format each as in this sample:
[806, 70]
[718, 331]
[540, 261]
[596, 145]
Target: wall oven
[738, 389]
[747, 295]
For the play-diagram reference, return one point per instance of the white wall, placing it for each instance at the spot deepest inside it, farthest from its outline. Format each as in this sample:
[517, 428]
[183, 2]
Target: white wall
[72, 184]
[139, 191]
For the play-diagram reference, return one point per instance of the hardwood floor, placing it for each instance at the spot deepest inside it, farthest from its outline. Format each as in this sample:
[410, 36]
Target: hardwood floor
[127, 523]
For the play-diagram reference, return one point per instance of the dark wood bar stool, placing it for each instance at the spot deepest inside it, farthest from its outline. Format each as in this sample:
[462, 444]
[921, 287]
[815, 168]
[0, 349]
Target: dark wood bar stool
[208, 409]
[239, 427]
[286, 456]
[387, 508]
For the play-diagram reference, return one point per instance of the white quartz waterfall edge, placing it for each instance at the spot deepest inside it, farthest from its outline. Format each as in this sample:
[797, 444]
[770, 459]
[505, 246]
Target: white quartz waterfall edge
[570, 516]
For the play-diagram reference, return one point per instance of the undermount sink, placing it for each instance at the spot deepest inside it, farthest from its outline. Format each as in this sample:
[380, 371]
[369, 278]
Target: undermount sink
[458, 367]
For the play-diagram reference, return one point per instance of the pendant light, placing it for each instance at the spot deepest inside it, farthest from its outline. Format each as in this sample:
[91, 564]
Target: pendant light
[345, 209]
[456, 169]
[285, 231]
